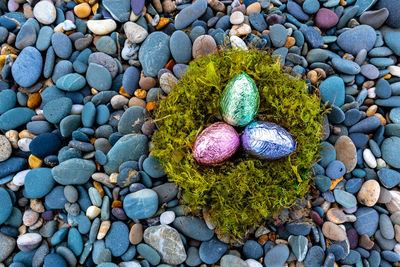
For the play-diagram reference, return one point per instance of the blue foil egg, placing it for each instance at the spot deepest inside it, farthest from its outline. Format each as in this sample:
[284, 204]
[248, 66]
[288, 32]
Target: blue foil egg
[267, 140]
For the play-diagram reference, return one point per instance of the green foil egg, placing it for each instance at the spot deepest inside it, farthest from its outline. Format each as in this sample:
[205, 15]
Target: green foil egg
[240, 100]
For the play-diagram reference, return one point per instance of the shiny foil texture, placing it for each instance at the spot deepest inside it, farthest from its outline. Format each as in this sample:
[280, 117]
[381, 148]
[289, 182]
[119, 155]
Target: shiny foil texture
[215, 144]
[267, 140]
[240, 101]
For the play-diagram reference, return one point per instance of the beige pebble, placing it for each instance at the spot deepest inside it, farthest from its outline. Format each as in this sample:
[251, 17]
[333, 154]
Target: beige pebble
[346, 152]
[337, 216]
[136, 234]
[168, 82]
[394, 204]
[369, 193]
[217, 6]
[371, 110]
[240, 30]
[30, 217]
[135, 101]
[102, 27]
[334, 232]
[37, 205]
[12, 136]
[255, 7]
[203, 45]
[119, 101]
[92, 212]
[103, 230]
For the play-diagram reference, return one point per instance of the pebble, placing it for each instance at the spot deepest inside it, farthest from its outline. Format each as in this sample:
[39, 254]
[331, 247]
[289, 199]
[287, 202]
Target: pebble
[5, 148]
[211, 251]
[181, 47]
[134, 32]
[45, 12]
[332, 91]
[365, 35]
[7, 206]
[29, 241]
[154, 58]
[73, 171]
[102, 27]
[189, 14]
[38, 183]
[27, 67]
[389, 147]
[369, 193]
[162, 238]
[277, 256]
[367, 221]
[7, 246]
[325, 18]
[117, 239]
[334, 232]
[141, 204]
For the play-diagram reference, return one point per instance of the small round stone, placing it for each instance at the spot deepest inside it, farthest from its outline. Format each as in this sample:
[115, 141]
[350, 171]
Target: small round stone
[167, 217]
[369, 193]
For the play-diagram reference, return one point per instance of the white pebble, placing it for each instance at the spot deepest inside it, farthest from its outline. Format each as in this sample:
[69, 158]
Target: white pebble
[369, 158]
[237, 42]
[19, 178]
[397, 249]
[23, 144]
[371, 92]
[76, 109]
[92, 212]
[237, 17]
[167, 217]
[394, 70]
[380, 164]
[101, 26]
[253, 263]
[45, 12]
[68, 25]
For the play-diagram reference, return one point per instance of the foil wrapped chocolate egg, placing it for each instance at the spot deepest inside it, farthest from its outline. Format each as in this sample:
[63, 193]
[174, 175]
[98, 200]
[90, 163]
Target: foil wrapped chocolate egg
[240, 101]
[216, 143]
[267, 140]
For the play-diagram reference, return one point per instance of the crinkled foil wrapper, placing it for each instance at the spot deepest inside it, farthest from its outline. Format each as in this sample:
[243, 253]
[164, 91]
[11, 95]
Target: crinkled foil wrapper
[240, 101]
[267, 140]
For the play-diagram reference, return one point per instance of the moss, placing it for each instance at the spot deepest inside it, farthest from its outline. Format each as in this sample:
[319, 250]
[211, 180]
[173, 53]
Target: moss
[241, 192]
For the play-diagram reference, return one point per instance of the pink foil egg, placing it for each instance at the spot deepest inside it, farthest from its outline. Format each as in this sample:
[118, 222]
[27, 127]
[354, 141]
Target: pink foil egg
[216, 143]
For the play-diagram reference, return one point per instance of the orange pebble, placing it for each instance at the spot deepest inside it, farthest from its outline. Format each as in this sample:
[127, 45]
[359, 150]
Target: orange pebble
[34, 162]
[123, 92]
[262, 240]
[92, 140]
[116, 204]
[82, 10]
[140, 93]
[170, 64]
[95, 7]
[34, 100]
[335, 182]
[162, 23]
[99, 188]
[387, 76]
[372, 110]
[381, 118]
[151, 106]
[94, 91]
[290, 41]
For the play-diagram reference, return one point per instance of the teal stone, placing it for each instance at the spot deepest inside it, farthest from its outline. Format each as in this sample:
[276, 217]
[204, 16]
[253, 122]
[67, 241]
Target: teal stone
[392, 40]
[69, 124]
[332, 90]
[152, 167]
[149, 254]
[8, 99]
[393, 101]
[323, 183]
[24, 257]
[88, 114]
[54, 259]
[392, 129]
[141, 205]
[132, 120]
[240, 101]
[98, 77]
[395, 115]
[27, 68]
[44, 38]
[15, 218]
[364, 5]
[107, 264]
[346, 66]
[51, 93]
[345, 199]
[75, 242]
[73, 171]
[192, 227]
[299, 246]
[59, 236]
[56, 110]
[6, 205]
[107, 45]
[311, 6]
[15, 117]
[327, 154]
[117, 240]
[38, 183]
[128, 147]
[102, 114]
[71, 82]
[390, 151]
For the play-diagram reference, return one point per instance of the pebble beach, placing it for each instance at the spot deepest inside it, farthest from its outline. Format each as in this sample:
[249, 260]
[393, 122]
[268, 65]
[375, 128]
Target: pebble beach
[80, 82]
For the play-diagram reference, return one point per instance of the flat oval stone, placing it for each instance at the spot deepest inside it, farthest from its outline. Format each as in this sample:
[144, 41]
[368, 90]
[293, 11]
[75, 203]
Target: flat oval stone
[98, 77]
[117, 240]
[44, 145]
[389, 178]
[62, 45]
[211, 251]
[128, 147]
[332, 91]
[154, 52]
[57, 109]
[141, 205]
[102, 27]
[71, 82]
[389, 148]
[6, 206]
[130, 80]
[15, 117]
[367, 221]
[277, 256]
[29, 241]
[189, 14]
[38, 183]
[193, 227]
[162, 238]
[44, 38]
[181, 47]
[73, 171]
[27, 67]
[345, 199]
[365, 36]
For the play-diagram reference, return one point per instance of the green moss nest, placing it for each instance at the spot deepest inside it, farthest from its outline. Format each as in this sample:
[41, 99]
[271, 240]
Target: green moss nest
[242, 192]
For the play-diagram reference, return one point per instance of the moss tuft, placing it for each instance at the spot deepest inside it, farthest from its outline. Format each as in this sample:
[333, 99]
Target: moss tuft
[241, 192]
